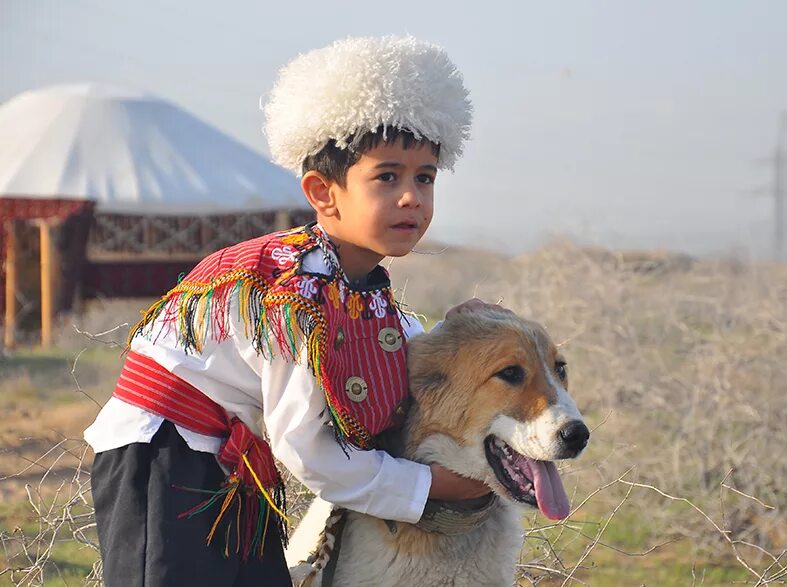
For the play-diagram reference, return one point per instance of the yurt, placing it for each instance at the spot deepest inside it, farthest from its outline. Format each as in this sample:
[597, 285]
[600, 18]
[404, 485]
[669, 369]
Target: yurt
[110, 192]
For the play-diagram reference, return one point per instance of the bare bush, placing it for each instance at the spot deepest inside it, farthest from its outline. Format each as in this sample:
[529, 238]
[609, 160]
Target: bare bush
[63, 513]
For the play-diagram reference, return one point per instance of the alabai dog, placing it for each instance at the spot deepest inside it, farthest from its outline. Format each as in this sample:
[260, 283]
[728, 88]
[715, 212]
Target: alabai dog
[490, 402]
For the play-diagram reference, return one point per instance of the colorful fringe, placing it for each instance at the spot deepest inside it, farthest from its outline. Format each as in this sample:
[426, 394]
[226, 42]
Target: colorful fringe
[201, 310]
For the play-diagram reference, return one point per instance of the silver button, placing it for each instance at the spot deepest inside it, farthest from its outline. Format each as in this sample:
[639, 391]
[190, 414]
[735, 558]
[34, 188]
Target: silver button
[356, 389]
[390, 339]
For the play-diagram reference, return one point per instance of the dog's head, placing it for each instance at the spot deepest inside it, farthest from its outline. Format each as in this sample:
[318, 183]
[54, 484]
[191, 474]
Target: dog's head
[491, 403]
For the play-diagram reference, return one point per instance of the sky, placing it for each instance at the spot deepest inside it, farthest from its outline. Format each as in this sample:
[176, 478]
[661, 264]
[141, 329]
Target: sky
[621, 123]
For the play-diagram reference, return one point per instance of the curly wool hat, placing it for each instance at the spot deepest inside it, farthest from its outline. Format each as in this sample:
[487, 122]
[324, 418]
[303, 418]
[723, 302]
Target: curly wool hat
[357, 85]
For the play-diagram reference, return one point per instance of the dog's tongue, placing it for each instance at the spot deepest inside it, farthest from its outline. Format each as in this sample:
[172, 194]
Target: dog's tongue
[551, 497]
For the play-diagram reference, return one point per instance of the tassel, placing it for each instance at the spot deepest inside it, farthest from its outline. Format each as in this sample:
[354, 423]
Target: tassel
[245, 515]
[262, 489]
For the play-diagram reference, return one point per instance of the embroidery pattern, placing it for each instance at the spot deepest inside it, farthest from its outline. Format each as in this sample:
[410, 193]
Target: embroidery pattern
[378, 304]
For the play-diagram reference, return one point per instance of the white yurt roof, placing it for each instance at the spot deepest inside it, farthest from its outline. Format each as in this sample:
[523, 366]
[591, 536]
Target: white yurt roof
[132, 153]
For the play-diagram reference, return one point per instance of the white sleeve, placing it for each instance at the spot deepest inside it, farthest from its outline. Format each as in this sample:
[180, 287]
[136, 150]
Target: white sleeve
[371, 482]
[411, 326]
[222, 370]
[294, 411]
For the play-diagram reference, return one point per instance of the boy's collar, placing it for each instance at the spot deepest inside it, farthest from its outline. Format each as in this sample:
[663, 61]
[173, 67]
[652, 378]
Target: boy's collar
[377, 276]
[328, 247]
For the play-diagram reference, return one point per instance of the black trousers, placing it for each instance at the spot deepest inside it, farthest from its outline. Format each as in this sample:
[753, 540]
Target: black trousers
[142, 541]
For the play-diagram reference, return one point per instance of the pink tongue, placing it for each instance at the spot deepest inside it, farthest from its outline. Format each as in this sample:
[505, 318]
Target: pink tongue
[552, 498]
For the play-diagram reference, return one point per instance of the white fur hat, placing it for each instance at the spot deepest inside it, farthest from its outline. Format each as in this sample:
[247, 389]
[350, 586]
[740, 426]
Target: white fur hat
[354, 86]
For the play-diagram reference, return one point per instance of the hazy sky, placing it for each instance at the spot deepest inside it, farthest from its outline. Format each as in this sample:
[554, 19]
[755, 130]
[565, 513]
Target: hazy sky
[626, 123]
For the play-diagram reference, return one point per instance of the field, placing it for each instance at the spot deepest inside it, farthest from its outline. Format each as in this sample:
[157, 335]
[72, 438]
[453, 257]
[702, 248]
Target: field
[678, 365]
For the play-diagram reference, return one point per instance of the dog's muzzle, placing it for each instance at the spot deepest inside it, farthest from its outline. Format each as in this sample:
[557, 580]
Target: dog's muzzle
[573, 438]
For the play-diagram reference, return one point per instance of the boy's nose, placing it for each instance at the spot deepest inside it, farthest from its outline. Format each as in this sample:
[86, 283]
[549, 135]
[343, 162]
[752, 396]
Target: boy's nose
[410, 197]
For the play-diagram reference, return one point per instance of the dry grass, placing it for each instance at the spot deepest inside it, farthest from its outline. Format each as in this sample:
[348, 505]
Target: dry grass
[678, 365]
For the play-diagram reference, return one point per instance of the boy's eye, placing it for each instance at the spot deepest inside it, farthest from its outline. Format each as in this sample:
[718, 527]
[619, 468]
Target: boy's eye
[425, 179]
[386, 177]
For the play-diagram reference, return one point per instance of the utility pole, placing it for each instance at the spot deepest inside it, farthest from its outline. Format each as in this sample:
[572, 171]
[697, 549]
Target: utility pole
[778, 188]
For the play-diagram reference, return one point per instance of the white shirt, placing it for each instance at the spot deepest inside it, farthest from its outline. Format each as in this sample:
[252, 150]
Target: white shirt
[282, 402]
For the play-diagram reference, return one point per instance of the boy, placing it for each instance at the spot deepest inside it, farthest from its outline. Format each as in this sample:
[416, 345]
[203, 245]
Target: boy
[266, 342]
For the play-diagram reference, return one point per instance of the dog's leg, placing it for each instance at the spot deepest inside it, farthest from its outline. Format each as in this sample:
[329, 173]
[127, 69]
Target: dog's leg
[306, 537]
[309, 559]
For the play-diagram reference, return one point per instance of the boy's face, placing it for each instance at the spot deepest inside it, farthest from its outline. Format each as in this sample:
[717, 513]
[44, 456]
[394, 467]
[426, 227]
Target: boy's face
[385, 206]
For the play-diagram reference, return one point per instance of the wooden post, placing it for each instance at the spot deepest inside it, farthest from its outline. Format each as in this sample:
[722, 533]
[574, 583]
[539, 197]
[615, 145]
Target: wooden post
[46, 282]
[9, 336]
[282, 220]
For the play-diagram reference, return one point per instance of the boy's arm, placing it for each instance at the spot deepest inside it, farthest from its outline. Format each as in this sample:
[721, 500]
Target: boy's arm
[230, 373]
[294, 414]
[370, 482]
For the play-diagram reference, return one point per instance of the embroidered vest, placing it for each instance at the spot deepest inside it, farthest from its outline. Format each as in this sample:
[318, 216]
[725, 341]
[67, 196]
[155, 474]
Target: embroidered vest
[353, 340]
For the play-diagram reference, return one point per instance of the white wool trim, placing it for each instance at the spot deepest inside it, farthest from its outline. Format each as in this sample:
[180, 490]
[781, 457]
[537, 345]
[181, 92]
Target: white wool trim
[355, 86]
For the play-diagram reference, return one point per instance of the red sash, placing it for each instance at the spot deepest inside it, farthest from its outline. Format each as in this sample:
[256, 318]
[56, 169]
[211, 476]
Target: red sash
[147, 385]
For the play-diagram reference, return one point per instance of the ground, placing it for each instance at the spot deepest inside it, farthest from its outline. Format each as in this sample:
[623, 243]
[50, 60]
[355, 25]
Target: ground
[676, 363]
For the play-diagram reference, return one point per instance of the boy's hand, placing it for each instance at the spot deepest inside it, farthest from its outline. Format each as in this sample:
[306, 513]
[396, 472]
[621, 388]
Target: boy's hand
[449, 486]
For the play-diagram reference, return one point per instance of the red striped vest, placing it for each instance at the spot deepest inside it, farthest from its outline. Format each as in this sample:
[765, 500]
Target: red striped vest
[352, 338]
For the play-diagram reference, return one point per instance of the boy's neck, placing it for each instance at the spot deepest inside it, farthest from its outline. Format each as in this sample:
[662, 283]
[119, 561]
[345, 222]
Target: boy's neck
[356, 262]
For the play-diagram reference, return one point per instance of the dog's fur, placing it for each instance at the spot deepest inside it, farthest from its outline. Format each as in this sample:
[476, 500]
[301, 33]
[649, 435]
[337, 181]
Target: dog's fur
[462, 394]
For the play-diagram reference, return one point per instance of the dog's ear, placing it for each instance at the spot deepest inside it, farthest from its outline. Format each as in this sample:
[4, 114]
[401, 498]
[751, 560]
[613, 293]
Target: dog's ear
[427, 383]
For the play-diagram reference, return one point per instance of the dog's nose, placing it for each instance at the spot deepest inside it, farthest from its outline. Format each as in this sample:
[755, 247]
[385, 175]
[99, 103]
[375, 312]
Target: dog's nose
[574, 435]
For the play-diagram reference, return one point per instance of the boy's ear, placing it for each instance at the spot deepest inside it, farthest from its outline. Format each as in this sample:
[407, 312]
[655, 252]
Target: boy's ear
[317, 189]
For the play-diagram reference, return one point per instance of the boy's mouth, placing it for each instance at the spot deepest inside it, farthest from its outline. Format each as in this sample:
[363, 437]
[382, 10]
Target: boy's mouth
[406, 226]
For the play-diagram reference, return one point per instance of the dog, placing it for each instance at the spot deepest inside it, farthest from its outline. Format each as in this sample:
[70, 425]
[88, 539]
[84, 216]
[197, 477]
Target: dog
[490, 402]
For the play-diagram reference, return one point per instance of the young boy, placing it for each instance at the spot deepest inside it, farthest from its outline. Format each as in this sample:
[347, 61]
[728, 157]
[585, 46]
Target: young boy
[289, 345]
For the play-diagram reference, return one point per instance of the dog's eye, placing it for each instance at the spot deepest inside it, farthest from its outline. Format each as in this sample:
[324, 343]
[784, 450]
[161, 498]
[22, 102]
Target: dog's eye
[560, 369]
[512, 374]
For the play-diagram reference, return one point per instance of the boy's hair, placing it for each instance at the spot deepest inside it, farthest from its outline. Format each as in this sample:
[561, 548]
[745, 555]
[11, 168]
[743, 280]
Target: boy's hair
[333, 162]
